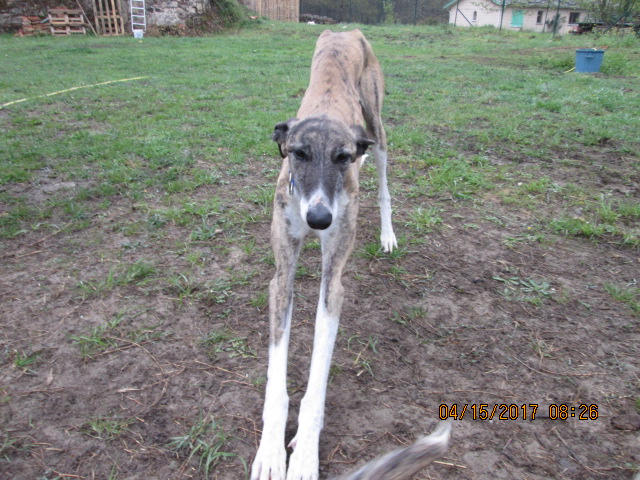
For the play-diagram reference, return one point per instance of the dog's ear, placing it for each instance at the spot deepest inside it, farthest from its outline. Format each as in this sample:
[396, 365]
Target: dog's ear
[362, 140]
[280, 133]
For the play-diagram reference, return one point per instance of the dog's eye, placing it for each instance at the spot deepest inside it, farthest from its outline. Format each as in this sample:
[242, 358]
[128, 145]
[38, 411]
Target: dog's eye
[300, 155]
[343, 158]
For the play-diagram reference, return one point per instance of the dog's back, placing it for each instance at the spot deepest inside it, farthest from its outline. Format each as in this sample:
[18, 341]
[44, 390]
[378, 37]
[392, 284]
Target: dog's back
[343, 70]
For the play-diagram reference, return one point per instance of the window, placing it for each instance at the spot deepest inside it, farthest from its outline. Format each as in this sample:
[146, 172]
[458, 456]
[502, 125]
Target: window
[539, 17]
[574, 17]
[475, 16]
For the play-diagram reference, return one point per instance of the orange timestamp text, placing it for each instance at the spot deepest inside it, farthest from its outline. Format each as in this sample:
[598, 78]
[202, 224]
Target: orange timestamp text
[513, 411]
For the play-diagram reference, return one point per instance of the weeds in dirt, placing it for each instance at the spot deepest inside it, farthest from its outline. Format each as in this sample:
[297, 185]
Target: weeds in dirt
[205, 441]
[458, 177]
[410, 316]
[579, 227]
[226, 341]
[189, 289]
[25, 361]
[525, 289]
[205, 232]
[542, 348]
[541, 186]
[112, 336]
[603, 219]
[6, 447]
[262, 196]
[107, 427]
[629, 295]
[260, 301]
[184, 287]
[373, 251]
[424, 220]
[514, 241]
[120, 276]
[10, 446]
[363, 362]
[219, 291]
[97, 340]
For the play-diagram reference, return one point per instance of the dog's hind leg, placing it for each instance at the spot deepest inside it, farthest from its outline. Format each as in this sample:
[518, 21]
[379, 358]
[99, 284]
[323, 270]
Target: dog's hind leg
[336, 248]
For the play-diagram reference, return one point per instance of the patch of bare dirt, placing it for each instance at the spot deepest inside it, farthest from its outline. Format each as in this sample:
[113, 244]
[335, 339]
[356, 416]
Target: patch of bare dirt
[461, 317]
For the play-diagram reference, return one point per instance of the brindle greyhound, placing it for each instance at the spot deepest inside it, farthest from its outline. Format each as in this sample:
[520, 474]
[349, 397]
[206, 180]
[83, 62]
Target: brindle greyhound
[318, 190]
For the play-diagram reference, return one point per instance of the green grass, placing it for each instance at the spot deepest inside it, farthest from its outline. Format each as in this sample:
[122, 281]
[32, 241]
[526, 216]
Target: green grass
[199, 114]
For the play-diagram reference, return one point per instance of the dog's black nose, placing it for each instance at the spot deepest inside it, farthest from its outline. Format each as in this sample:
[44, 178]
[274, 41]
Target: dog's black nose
[319, 217]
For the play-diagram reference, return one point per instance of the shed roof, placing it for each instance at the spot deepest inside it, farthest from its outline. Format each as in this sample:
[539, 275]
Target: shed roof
[529, 4]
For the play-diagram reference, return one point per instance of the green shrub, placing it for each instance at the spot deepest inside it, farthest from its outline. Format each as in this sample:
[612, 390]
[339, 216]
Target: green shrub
[228, 12]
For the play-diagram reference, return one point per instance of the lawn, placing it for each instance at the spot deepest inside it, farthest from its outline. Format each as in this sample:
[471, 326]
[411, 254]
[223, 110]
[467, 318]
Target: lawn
[136, 183]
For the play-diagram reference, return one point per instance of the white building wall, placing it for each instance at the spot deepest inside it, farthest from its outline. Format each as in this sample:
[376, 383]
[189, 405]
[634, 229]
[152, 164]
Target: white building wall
[531, 20]
[479, 13]
[486, 13]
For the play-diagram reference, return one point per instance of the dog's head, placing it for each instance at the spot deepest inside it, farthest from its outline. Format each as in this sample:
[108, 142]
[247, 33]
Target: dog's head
[320, 151]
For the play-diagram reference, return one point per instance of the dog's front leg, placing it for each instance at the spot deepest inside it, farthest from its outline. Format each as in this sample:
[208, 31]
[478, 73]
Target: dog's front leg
[271, 458]
[304, 461]
[336, 247]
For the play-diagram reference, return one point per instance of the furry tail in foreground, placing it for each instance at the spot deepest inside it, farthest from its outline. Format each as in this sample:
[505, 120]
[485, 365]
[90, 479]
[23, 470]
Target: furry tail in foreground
[402, 464]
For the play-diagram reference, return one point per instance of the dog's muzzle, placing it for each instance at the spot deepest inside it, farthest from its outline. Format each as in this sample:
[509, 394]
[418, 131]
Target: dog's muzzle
[319, 217]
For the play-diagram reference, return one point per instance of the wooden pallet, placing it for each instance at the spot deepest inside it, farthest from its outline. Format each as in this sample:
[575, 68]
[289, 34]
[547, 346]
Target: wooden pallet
[108, 15]
[67, 30]
[64, 21]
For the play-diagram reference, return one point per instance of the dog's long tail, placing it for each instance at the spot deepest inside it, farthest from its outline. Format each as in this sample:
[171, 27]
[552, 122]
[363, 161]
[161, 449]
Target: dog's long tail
[402, 464]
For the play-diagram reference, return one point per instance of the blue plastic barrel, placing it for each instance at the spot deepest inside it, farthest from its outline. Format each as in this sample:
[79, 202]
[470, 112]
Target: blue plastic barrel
[588, 60]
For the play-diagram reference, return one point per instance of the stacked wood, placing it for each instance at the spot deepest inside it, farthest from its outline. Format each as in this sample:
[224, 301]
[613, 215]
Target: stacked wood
[64, 21]
[32, 26]
[108, 15]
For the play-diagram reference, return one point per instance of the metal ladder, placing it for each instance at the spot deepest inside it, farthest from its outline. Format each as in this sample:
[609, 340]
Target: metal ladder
[138, 15]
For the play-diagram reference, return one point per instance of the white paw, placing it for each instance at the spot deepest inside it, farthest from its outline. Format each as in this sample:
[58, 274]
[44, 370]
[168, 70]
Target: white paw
[270, 462]
[303, 463]
[388, 241]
